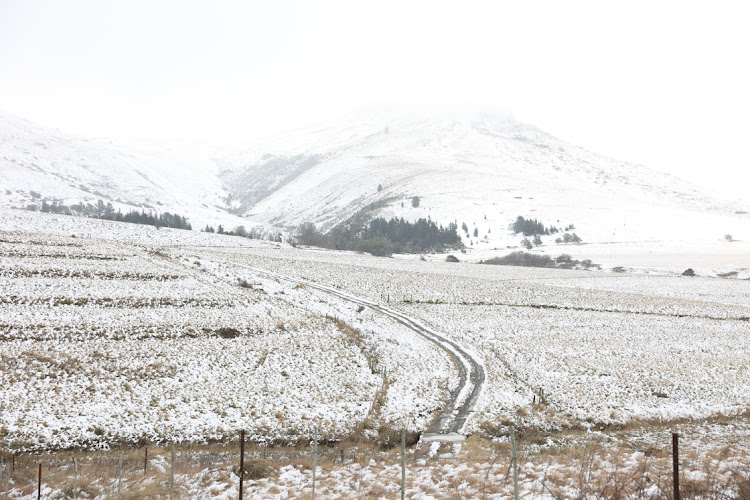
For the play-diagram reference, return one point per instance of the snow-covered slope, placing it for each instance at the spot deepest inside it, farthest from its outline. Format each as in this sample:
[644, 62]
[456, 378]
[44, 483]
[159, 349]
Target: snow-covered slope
[55, 167]
[484, 172]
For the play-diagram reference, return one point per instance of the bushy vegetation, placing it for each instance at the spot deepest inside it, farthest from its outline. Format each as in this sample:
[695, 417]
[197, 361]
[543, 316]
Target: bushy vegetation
[412, 236]
[379, 247]
[255, 233]
[382, 237]
[107, 212]
[530, 227]
[568, 238]
[525, 259]
[308, 234]
[165, 219]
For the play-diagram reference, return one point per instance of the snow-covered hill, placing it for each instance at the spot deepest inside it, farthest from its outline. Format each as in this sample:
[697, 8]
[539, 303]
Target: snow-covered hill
[482, 172]
[38, 164]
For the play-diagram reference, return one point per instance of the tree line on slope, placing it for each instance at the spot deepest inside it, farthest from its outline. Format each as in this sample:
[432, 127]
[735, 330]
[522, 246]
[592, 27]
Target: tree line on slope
[107, 212]
[531, 227]
[382, 237]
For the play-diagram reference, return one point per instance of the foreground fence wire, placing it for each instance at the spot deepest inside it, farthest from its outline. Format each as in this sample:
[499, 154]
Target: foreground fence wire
[238, 468]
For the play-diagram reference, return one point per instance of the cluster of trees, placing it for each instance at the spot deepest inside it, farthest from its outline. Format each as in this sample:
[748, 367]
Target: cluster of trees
[563, 261]
[537, 240]
[107, 212]
[308, 234]
[165, 219]
[534, 242]
[420, 235]
[383, 237]
[55, 208]
[568, 238]
[530, 227]
[256, 233]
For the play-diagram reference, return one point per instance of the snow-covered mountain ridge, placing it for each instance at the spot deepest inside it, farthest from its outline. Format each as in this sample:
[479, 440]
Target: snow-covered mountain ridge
[39, 164]
[482, 172]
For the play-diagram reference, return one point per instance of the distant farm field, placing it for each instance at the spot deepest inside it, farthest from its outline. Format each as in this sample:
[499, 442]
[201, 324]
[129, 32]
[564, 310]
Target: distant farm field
[105, 342]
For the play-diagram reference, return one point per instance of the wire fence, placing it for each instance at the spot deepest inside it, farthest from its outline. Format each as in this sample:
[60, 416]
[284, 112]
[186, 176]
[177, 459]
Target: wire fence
[191, 471]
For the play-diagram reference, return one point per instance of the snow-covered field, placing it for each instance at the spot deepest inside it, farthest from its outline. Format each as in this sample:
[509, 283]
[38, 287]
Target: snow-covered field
[105, 342]
[172, 335]
[603, 347]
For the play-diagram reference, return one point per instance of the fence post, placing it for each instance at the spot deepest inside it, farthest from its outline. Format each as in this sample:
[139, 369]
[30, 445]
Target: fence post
[39, 484]
[171, 475]
[119, 472]
[676, 466]
[315, 460]
[145, 461]
[7, 480]
[514, 460]
[403, 463]
[75, 479]
[242, 461]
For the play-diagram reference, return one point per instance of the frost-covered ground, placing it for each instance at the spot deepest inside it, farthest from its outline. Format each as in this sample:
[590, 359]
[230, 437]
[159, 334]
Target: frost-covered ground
[102, 342]
[131, 329]
[603, 348]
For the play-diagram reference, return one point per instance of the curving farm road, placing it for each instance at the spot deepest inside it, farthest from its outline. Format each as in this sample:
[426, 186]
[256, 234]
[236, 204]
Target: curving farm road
[471, 373]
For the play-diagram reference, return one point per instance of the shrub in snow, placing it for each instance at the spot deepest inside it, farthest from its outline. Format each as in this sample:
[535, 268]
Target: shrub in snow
[522, 259]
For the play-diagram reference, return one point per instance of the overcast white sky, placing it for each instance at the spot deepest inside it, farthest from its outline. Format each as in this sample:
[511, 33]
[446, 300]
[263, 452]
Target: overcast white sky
[663, 84]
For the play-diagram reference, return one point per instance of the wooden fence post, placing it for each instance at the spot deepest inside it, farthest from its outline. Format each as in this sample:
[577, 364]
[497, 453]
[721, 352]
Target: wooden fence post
[403, 463]
[75, 479]
[242, 461]
[676, 466]
[514, 460]
[171, 475]
[119, 472]
[39, 484]
[315, 460]
[7, 480]
[145, 461]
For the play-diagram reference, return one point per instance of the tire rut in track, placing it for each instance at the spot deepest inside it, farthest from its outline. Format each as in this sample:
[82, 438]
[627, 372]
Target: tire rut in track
[462, 399]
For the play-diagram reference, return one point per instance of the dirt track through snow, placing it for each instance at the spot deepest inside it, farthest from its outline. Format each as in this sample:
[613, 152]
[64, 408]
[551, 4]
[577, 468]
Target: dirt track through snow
[471, 372]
